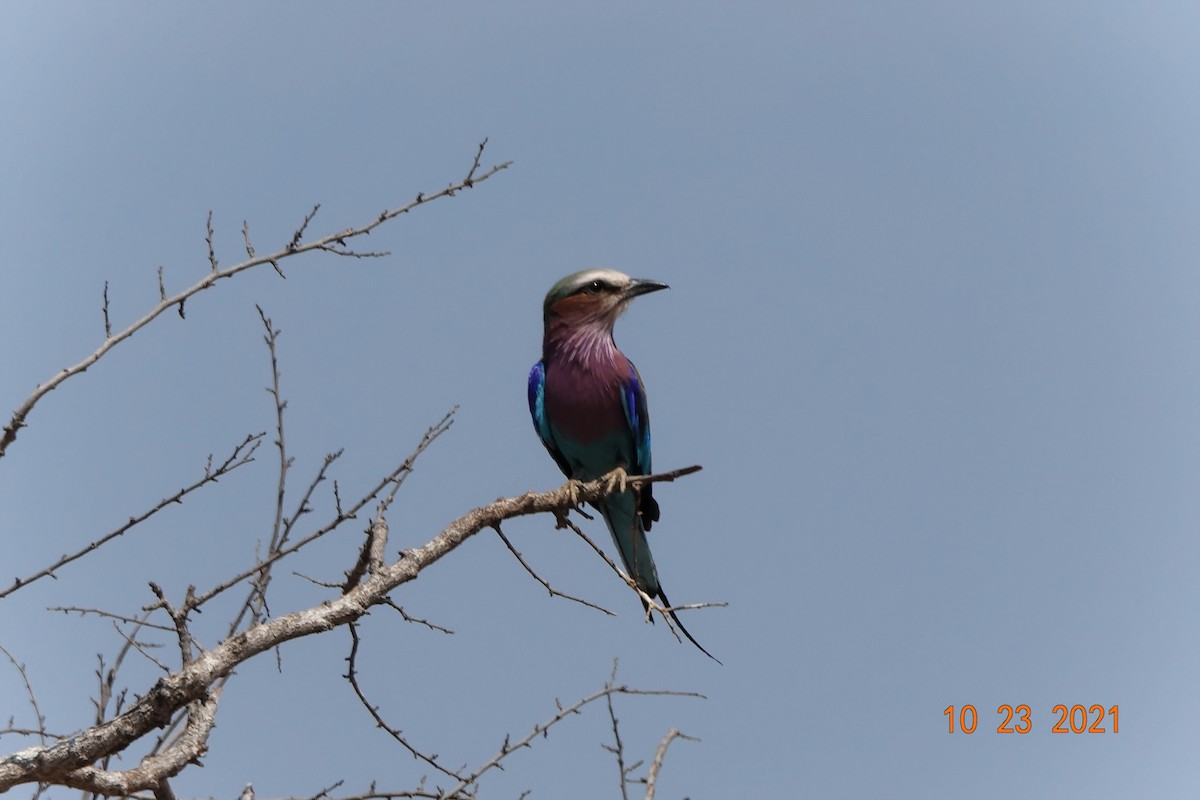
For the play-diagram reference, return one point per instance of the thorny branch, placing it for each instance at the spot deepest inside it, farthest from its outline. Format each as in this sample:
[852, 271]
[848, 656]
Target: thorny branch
[618, 747]
[153, 770]
[468, 791]
[332, 242]
[192, 691]
[254, 603]
[397, 475]
[618, 751]
[659, 755]
[108, 678]
[508, 747]
[242, 454]
[67, 761]
[553, 592]
[395, 733]
[38, 717]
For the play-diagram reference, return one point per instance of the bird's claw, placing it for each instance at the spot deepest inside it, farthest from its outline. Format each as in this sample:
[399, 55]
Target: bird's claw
[617, 478]
[571, 491]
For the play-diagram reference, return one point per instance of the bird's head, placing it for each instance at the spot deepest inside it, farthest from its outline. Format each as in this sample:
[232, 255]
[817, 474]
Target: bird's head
[594, 296]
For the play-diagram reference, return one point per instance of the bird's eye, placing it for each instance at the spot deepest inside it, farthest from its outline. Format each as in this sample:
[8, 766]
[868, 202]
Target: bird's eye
[595, 286]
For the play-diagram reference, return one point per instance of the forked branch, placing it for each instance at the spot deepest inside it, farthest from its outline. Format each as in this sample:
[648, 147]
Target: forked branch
[68, 761]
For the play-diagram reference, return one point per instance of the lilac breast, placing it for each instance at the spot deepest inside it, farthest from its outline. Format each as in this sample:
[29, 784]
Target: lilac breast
[583, 400]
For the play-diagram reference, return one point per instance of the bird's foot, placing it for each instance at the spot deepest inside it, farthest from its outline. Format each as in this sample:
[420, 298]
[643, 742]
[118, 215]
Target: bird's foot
[570, 491]
[617, 478]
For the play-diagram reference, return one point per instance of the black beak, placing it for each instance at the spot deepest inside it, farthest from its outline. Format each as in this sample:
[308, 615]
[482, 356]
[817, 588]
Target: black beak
[643, 286]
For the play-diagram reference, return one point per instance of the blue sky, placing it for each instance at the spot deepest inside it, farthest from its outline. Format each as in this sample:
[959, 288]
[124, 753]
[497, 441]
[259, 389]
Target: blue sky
[931, 333]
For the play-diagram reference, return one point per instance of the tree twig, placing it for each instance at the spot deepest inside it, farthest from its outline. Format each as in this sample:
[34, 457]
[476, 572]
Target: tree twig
[242, 454]
[38, 717]
[508, 747]
[295, 247]
[396, 734]
[553, 592]
[659, 755]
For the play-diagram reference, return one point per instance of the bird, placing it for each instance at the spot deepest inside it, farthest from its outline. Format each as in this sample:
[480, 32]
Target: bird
[588, 405]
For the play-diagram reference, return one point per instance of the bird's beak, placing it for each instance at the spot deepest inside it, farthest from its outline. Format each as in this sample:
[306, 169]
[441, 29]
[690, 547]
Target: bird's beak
[642, 286]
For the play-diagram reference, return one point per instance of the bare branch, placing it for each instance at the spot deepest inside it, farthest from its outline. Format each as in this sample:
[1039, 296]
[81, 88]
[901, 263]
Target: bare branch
[184, 698]
[140, 621]
[29, 693]
[618, 749]
[371, 556]
[467, 786]
[553, 592]
[374, 794]
[299, 234]
[141, 647]
[541, 729]
[395, 733]
[107, 324]
[659, 755]
[246, 239]
[208, 236]
[470, 180]
[259, 591]
[179, 616]
[153, 769]
[261, 571]
[164, 791]
[295, 247]
[324, 792]
[409, 618]
[395, 477]
[242, 454]
[67, 761]
[342, 251]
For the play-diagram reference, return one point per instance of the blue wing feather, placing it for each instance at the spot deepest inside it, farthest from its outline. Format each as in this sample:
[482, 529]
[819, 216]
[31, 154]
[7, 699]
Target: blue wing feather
[537, 410]
[637, 414]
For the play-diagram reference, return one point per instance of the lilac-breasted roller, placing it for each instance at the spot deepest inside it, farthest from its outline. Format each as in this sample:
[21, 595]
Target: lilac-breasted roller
[589, 408]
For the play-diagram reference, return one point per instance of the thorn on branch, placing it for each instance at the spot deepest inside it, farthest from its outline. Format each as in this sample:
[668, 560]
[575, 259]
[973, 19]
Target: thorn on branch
[469, 181]
[212, 256]
[107, 324]
[303, 226]
[370, 555]
[246, 238]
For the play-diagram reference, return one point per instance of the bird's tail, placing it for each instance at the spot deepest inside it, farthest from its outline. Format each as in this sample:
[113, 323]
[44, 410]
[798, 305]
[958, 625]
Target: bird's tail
[690, 638]
[620, 513]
